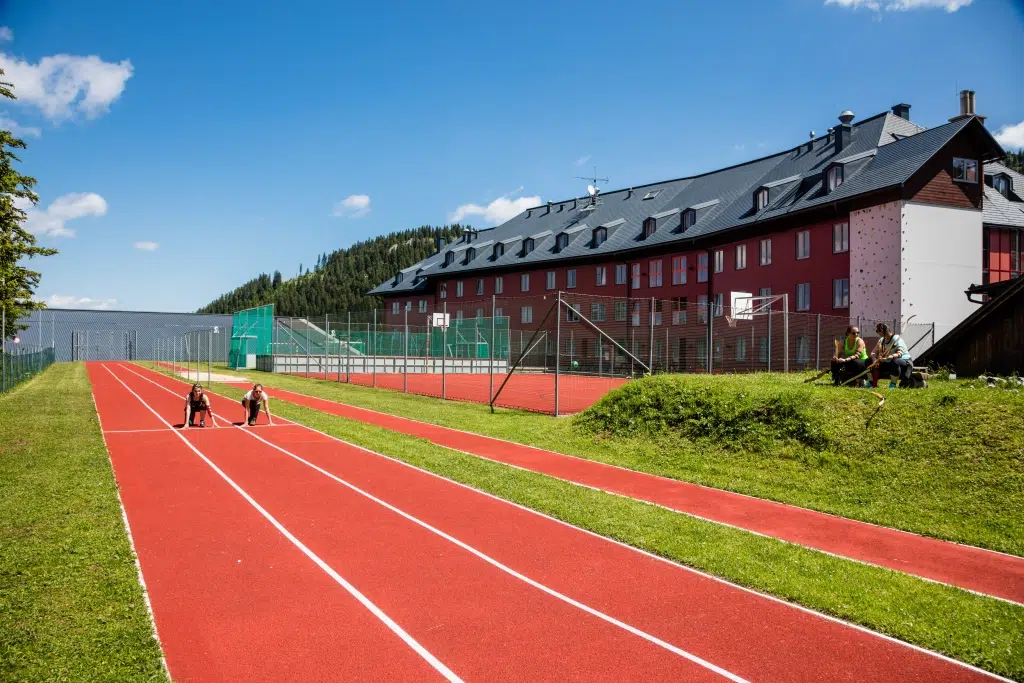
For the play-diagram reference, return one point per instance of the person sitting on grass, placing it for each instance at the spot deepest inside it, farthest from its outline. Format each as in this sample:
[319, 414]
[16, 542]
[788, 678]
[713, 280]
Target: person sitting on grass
[852, 359]
[251, 403]
[196, 402]
[893, 356]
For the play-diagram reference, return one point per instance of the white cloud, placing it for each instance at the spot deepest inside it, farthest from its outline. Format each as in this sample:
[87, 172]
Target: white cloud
[61, 301]
[1011, 137]
[7, 123]
[62, 85]
[739, 147]
[353, 206]
[6, 34]
[147, 246]
[51, 221]
[498, 211]
[583, 160]
[901, 5]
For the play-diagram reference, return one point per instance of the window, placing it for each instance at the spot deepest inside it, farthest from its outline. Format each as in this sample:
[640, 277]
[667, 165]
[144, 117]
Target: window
[741, 256]
[449, 258]
[394, 308]
[620, 311]
[702, 308]
[423, 306]
[657, 311]
[636, 314]
[689, 218]
[761, 198]
[718, 350]
[498, 312]
[598, 312]
[834, 177]
[528, 245]
[458, 288]
[499, 285]
[965, 170]
[620, 274]
[803, 244]
[601, 278]
[458, 314]
[526, 314]
[702, 267]
[561, 242]
[766, 252]
[470, 254]
[679, 270]
[650, 225]
[652, 194]
[840, 238]
[551, 279]
[1001, 185]
[679, 311]
[479, 313]
[741, 348]
[679, 350]
[702, 352]
[570, 279]
[654, 276]
[803, 296]
[635, 276]
[841, 293]
[499, 250]
[719, 305]
[524, 282]
[480, 287]
[399, 276]
[803, 349]
[764, 291]
[762, 349]
[572, 313]
[600, 236]
[408, 305]
[719, 260]
[444, 290]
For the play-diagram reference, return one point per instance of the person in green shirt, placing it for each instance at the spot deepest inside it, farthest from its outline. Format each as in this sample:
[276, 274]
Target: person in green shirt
[851, 357]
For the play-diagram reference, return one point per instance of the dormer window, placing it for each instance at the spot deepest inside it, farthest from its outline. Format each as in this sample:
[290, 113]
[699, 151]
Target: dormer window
[600, 236]
[399, 276]
[650, 225]
[761, 198]
[689, 218]
[449, 258]
[1001, 184]
[834, 177]
[470, 254]
[499, 250]
[561, 242]
[528, 245]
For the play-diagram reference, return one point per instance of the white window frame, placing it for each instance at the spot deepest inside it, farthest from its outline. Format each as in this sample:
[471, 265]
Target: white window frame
[1001, 185]
[561, 242]
[803, 305]
[621, 274]
[719, 305]
[968, 165]
[395, 307]
[526, 315]
[834, 177]
[689, 218]
[499, 285]
[634, 276]
[480, 287]
[841, 238]
[550, 280]
[719, 260]
[741, 257]
[803, 245]
[841, 293]
[702, 267]
[679, 274]
[528, 245]
[654, 273]
[650, 227]
[524, 282]
[423, 306]
[601, 276]
[598, 312]
[600, 236]
[570, 278]
[761, 197]
[572, 313]
[444, 290]
[765, 252]
[741, 348]
[458, 289]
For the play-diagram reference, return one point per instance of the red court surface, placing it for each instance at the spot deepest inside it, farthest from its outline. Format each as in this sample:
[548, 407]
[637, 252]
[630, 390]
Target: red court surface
[983, 571]
[279, 553]
[526, 391]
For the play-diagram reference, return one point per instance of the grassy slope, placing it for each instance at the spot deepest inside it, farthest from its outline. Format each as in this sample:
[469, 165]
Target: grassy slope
[71, 607]
[946, 462]
[975, 629]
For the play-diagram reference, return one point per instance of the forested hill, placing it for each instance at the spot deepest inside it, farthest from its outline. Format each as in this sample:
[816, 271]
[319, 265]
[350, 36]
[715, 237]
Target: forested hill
[339, 281]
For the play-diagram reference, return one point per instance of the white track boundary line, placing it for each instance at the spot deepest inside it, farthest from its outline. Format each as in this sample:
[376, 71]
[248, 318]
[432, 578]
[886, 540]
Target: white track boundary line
[172, 428]
[645, 474]
[653, 556]
[352, 590]
[495, 563]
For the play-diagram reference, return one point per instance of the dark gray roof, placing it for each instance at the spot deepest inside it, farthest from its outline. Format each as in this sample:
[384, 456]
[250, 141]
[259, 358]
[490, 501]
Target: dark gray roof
[999, 210]
[873, 160]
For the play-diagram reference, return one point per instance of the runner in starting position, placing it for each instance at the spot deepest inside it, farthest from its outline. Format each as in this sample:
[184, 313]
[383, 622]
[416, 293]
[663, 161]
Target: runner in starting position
[197, 402]
[251, 403]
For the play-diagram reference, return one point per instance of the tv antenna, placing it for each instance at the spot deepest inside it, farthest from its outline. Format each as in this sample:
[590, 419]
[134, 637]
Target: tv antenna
[593, 191]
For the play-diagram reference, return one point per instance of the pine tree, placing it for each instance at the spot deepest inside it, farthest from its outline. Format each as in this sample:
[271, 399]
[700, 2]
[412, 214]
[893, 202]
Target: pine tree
[277, 279]
[17, 282]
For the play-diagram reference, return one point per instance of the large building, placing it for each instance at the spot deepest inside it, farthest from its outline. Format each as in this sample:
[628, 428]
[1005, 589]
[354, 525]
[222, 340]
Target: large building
[879, 219]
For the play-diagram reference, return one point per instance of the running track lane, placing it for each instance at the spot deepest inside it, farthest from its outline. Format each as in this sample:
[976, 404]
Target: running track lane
[752, 635]
[975, 569]
[228, 591]
[483, 623]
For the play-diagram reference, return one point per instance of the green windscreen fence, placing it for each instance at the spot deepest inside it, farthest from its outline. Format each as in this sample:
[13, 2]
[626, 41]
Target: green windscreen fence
[251, 333]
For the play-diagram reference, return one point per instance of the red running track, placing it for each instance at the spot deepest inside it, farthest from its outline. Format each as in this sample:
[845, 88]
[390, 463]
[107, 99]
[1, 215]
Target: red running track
[495, 591]
[983, 571]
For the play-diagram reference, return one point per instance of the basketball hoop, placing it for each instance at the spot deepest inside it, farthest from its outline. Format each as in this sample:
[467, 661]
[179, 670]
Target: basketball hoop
[730, 321]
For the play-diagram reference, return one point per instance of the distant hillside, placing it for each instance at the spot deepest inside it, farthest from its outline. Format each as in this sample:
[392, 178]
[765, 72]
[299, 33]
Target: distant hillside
[339, 280]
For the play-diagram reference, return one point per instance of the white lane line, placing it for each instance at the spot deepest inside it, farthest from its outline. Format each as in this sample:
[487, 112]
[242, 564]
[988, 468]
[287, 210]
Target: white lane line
[175, 429]
[495, 563]
[650, 555]
[352, 590]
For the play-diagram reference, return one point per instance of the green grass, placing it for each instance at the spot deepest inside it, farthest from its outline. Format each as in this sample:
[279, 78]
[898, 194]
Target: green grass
[71, 607]
[982, 631]
[946, 462]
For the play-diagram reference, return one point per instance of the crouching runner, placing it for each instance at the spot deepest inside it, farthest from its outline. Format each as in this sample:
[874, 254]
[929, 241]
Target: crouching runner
[251, 403]
[197, 403]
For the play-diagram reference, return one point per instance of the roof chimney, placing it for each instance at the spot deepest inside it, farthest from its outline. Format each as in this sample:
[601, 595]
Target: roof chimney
[844, 131]
[902, 111]
[967, 107]
[549, 205]
[810, 143]
[439, 244]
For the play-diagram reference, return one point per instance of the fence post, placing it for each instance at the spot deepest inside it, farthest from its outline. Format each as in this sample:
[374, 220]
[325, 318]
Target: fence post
[650, 355]
[307, 347]
[327, 343]
[558, 345]
[209, 358]
[348, 352]
[711, 308]
[374, 346]
[769, 337]
[490, 349]
[405, 353]
[3, 340]
[444, 350]
[785, 331]
[817, 346]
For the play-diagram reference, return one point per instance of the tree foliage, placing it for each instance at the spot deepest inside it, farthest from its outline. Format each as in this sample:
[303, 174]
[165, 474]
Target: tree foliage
[1015, 161]
[341, 278]
[17, 281]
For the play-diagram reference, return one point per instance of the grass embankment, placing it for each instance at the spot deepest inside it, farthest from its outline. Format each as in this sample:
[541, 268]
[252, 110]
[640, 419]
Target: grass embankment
[982, 631]
[71, 607]
[946, 462]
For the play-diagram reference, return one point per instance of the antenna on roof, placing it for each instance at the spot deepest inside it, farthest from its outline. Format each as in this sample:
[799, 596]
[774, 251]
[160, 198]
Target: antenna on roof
[592, 190]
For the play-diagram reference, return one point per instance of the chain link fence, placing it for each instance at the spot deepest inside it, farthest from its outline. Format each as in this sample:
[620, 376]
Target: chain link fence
[20, 364]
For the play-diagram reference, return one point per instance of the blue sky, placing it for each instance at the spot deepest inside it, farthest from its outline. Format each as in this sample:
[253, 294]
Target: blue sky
[183, 148]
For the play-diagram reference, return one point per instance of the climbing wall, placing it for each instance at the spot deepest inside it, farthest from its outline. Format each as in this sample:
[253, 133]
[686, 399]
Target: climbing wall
[875, 248]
